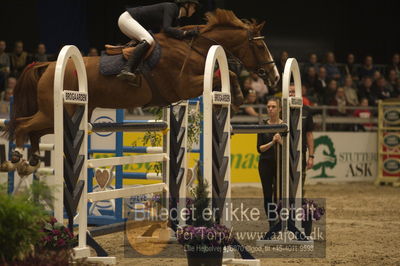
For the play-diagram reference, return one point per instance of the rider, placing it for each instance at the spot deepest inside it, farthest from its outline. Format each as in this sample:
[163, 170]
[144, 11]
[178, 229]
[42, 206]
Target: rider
[163, 16]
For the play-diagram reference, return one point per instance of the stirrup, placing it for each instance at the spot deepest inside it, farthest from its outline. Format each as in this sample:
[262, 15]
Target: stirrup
[126, 75]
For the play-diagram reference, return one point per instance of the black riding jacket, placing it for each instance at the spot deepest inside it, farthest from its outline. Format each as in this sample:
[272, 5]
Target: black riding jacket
[163, 16]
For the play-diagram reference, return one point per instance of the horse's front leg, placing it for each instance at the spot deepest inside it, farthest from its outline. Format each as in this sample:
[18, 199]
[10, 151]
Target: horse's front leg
[236, 91]
[28, 167]
[15, 160]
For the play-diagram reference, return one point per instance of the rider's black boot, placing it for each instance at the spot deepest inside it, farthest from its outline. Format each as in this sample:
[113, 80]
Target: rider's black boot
[127, 73]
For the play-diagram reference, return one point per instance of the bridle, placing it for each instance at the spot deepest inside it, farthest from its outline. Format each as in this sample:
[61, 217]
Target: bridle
[261, 72]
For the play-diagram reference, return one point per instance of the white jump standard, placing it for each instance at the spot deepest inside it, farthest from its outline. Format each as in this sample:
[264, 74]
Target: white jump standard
[289, 231]
[71, 131]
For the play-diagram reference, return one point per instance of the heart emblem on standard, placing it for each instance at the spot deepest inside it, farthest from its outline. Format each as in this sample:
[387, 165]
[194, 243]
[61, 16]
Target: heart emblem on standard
[103, 177]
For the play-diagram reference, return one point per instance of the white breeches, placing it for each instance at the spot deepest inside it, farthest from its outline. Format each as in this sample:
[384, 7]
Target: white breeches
[132, 29]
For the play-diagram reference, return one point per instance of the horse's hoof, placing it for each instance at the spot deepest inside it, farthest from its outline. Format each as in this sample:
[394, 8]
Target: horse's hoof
[15, 157]
[25, 168]
[34, 160]
[8, 166]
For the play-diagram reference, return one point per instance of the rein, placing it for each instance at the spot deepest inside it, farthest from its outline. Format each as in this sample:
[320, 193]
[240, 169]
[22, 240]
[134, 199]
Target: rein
[261, 72]
[215, 42]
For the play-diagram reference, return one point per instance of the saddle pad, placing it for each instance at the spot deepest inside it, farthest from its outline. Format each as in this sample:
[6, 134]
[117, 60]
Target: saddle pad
[113, 64]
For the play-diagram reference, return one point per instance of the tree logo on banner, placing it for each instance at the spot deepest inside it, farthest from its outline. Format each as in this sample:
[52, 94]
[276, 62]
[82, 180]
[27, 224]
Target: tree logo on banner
[325, 156]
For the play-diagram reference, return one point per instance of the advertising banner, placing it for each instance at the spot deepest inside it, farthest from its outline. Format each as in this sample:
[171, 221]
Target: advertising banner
[344, 157]
[339, 157]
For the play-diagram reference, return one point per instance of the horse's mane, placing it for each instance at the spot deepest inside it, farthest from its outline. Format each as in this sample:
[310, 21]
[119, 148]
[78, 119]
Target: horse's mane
[223, 17]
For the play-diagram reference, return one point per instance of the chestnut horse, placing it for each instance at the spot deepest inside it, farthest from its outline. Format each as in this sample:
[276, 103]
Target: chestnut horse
[177, 76]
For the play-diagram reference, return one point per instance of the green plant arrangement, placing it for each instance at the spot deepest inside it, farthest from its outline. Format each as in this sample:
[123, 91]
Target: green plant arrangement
[22, 220]
[203, 240]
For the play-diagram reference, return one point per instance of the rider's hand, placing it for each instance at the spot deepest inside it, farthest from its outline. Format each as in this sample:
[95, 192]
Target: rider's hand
[191, 33]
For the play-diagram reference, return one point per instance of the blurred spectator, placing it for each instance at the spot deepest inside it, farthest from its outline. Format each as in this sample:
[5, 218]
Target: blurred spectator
[392, 79]
[310, 79]
[330, 92]
[395, 65]
[312, 62]
[4, 65]
[246, 84]
[282, 61]
[304, 93]
[332, 70]
[19, 59]
[363, 113]
[350, 67]
[365, 91]
[396, 89]
[5, 97]
[367, 69]
[258, 85]
[8, 92]
[321, 85]
[377, 75]
[350, 91]
[40, 55]
[339, 100]
[93, 52]
[11, 83]
[381, 90]
[250, 97]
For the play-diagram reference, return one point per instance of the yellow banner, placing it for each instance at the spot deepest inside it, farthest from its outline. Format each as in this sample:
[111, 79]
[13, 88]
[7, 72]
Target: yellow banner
[244, 158]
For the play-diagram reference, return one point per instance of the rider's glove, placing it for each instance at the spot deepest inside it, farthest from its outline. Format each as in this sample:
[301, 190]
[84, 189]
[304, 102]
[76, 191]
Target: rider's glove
[191, 33]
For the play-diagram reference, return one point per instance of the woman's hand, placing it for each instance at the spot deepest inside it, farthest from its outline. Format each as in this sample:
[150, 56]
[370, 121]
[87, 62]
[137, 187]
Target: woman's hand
[310, 162]
[277, 138]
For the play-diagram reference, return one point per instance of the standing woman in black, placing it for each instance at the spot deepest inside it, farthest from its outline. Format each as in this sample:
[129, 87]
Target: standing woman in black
[266, 146]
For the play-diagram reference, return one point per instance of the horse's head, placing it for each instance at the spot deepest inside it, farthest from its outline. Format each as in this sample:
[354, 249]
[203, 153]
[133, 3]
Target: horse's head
[256, 56]
[243, 40]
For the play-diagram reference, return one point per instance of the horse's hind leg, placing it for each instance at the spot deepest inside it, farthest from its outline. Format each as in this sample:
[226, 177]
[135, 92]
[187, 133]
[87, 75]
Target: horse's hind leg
[34, 138]
[17, 153]
[39, 122]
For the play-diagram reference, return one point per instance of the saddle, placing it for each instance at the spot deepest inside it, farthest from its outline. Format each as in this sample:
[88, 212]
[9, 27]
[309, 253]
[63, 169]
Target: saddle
[114, 58]
[126, 50]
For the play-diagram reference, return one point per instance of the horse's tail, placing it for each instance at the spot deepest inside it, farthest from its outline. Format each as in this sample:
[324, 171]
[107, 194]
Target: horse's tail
[25, 96]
